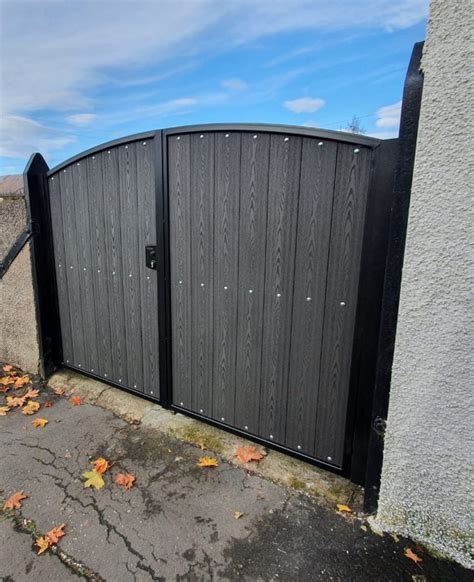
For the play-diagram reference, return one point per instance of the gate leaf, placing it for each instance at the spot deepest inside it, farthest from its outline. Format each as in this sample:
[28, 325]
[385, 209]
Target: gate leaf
[39, 422]
[15, 500]
[31, 407]
[31, 393]
[75, 400]
[14, 401]
[7, 368]
[101, 465]
[6, 380]
[54, 535]
[412, 556]
[59, 391]
[4, 410]
[21, 381]
[342, 507]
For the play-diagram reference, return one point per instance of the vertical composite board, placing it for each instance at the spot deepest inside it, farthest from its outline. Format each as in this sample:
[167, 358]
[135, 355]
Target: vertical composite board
[265, 245]
[103, 215]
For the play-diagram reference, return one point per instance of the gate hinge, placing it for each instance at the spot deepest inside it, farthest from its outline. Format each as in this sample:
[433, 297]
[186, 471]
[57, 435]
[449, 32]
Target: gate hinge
[379, 426]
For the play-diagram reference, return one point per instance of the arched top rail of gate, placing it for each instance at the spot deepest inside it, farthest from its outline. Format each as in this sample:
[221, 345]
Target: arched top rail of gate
[339, 136]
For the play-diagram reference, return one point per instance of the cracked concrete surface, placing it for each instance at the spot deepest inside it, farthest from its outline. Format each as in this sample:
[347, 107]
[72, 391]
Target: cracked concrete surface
[177, 523]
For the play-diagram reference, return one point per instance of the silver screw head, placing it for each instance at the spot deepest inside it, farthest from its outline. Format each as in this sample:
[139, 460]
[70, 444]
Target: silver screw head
[246, 427]
[178, 138]
[134, 385]
[227, 135]
[148, 277]
[79, 365]
[308, 298]
[93, 157]
[151, 392]
[254, 137]
[130, 274]
[181, 403]
[78, 164]
[342, 303]
[67, 361]
[126, 147]
[180, 282]
[84, 269]
[92, 369]
[320, 144]
[299, 447]
[357, 150]
[225, 287]
[329, 458]
[120, 380]
[144, 143]
[201, 410]
[108, 152]
[222, 418]
[105, 375]
[287, 138]
[201, 136]
[202, 284]
[271, 436]
[250, 290]
[59, 266]
[278, 294]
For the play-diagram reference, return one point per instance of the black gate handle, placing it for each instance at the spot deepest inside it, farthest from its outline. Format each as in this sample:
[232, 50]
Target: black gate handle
[150, 254]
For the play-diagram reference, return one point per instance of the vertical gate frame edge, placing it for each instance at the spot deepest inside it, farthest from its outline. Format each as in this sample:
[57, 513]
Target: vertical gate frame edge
[411, 105]
[163, 270]
[43, 270]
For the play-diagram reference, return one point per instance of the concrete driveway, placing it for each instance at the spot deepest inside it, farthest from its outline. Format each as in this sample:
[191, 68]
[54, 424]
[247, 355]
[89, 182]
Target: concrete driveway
[177, 522]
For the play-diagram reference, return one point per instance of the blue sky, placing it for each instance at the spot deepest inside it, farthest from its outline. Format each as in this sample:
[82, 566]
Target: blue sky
[76, 73]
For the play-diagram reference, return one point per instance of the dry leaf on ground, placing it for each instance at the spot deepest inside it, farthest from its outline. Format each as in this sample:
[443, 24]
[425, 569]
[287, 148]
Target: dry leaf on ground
[7, 368]
[59, 391]
[101, 465]
[31, 393]
[238, 514]
[14, 401]
[31, 407]
[207, 462]
[125, 480]
[39, 422]
[412, 556]
[342, 507]
[4, 410]
[249, 453]
[6, 380]
[54, 535]
[15, 500]
[47, 404]
[75, 400]
[93, 479]
[21, 381]
[42, 544]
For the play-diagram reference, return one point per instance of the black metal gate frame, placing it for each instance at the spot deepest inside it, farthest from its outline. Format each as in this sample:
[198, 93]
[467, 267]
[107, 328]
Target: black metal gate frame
[379, 282]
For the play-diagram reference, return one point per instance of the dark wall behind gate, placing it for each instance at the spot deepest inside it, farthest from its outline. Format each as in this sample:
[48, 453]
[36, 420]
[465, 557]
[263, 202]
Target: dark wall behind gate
[266, 234]
[249, 319]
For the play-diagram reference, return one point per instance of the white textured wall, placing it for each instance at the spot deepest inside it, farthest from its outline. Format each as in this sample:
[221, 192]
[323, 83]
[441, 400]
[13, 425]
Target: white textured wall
[427, 487]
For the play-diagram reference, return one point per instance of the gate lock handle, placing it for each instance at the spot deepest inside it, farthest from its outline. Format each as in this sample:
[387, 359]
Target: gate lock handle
[150, 254]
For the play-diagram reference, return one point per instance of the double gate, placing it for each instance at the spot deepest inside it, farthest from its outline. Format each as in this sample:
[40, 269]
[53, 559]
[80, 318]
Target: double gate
[217, 269]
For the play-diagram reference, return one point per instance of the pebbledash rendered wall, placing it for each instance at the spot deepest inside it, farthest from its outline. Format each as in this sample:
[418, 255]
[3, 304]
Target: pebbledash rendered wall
[427, 489]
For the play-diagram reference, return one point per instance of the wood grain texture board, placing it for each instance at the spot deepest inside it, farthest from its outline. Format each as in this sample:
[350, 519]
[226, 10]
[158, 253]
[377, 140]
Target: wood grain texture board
[179, 172]
[312, 249]
[283, 195]
[252, 241]
[350, 195]
[226, 248]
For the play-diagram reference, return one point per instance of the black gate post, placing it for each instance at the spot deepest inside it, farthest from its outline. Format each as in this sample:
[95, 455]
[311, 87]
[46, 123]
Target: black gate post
[44, 277]
[393, 273]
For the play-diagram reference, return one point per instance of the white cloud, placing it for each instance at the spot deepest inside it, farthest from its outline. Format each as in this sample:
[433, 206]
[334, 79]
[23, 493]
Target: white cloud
[81, 119]
[304, 104]
[58, 72]
[234, 84]
[389, 116]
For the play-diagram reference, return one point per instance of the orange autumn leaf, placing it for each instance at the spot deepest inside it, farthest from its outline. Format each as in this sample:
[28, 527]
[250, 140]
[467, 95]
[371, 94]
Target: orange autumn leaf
[42, 544]
[21, 381]
[412, 556]
[75, 400]
[4, 410]
[342, 507]
[31, 407]
[7, 368]
[101, 465]
[14, 501]
[47, 404]
[249, 453]
[4, 389]
[31, 393]
[55, 534]
[14, 401]
[207, 462]
[6, 380]
[59, 391]
[39, 422]
[125, 480]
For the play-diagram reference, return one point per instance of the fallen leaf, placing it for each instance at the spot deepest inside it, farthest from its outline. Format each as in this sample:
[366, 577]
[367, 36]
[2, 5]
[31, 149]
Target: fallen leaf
[31, 407]
[7, 368]
[238, 514]
[21, 381]
[4, 389]
[341, 507]
[93, 479]
[101, 465]
[59, 391]
[412, 556]
[14, 401]
[39, 422]
[75, 400]
[207, 462]
[418, 578]
[42, 544]
[125, 480]
[4, 410]
[55, 534]
[6, 380]
[47, 404]
[249, 453]
[31, 393]
[14, 502]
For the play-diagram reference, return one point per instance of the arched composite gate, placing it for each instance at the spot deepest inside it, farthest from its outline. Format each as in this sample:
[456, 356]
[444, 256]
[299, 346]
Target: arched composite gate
[230, 272]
